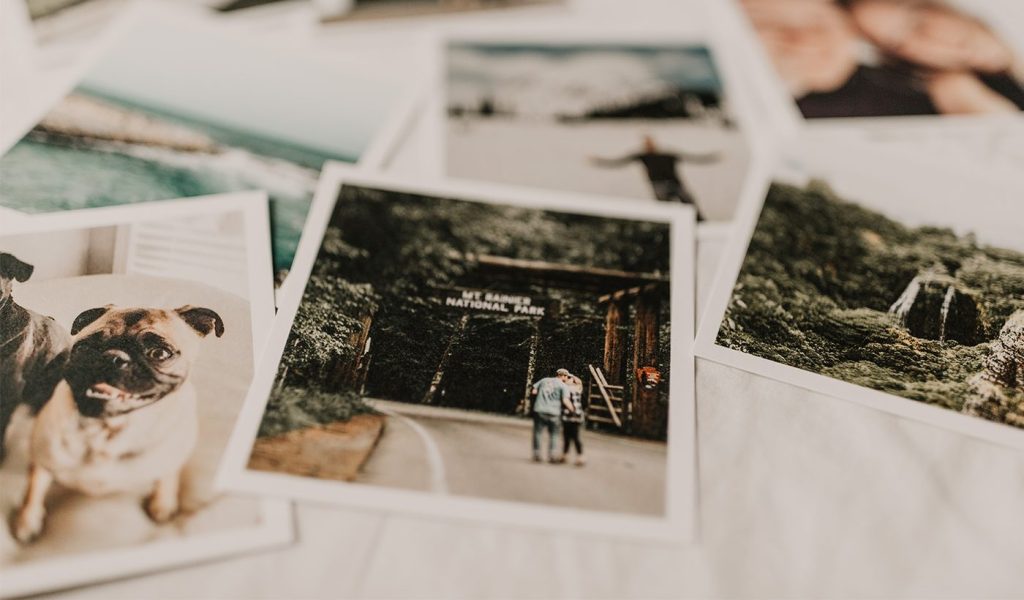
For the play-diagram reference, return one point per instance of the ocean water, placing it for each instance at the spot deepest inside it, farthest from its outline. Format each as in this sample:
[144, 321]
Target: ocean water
[39, 175]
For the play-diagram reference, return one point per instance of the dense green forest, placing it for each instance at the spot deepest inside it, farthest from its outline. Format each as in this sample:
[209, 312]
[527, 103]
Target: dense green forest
[831, 287]
[383, 259]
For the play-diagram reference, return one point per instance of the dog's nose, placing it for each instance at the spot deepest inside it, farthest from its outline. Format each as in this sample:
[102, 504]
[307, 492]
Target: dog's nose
[119, 358]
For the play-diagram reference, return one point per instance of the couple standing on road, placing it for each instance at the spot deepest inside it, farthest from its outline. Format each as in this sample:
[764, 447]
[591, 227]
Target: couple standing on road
[558, 405]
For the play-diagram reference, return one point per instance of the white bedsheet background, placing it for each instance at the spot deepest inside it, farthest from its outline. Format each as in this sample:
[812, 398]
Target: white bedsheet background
[800, 494]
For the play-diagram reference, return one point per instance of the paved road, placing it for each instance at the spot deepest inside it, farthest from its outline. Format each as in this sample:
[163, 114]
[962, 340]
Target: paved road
[464, 453]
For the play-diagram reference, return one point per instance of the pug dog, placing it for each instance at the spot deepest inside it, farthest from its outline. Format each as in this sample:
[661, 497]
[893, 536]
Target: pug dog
[33, 348]
[123, 418]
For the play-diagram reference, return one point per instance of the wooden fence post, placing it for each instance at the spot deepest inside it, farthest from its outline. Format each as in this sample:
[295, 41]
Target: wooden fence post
[614, 344]
[642, 414]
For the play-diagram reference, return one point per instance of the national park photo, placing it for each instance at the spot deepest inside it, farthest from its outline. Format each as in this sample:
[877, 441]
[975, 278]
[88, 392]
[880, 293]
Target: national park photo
[482, 350]
[648, 121]
[931, 310]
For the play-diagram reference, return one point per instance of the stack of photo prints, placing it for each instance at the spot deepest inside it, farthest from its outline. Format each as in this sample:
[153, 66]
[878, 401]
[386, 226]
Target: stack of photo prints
[216, 298]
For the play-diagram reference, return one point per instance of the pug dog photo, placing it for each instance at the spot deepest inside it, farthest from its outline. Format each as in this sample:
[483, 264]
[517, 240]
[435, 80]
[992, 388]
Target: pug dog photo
[124, 415]
[127, 344]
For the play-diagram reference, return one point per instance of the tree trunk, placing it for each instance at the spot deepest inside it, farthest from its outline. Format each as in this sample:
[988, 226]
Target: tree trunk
[428, 398]
[280, 379]
[531, 366]
[614, 344]
[346, 374]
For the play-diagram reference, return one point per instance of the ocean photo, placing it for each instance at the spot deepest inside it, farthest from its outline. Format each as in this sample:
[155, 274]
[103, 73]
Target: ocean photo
[110, 152]
[234, 117]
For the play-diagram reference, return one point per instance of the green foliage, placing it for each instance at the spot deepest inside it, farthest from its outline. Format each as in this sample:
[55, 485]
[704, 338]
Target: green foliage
[417, 240]
[324, 328]
[488, 369]
[409, 338]
[320, 348]
[292, 408]
[821, 274]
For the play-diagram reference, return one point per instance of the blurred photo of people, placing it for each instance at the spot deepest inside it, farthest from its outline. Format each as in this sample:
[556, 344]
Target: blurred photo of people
[875, 58]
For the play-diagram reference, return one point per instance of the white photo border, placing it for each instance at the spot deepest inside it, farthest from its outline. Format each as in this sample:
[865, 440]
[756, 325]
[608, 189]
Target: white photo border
[680, 478]
[91, 568]
[275, 527]
[732, 263]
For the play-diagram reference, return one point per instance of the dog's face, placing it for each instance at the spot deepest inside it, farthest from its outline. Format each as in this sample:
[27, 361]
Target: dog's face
[123, 359]
[11, 269]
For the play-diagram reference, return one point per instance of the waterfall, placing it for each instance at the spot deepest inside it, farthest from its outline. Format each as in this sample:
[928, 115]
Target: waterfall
[901, 308]
[935, 306]
[946, 303]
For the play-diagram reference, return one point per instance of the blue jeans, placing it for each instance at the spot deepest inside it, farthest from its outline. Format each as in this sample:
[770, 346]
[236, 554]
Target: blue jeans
[553, 424]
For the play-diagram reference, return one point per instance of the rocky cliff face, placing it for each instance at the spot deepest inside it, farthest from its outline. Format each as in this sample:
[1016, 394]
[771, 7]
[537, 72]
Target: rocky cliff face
[833, 288]
[997, 393]
[935, 306]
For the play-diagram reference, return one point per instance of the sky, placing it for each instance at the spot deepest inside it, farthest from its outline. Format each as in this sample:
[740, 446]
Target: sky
[914, 193]
[330, 106]
[545, 80]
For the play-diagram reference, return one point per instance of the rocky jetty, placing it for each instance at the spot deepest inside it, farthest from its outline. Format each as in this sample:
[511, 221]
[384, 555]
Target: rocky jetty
[935, 306]
[997, 393]
[82, 118]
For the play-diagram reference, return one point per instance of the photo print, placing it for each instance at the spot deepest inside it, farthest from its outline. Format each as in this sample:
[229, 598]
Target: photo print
[235, 116]
[128, 348]
[357, 10]
[874, 280]
[55, 23]
[650, 118]
[43, 10]
[467, 351]
[893, 58]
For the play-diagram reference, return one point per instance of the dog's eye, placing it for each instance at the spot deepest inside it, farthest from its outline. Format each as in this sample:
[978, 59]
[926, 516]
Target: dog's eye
[158, 353]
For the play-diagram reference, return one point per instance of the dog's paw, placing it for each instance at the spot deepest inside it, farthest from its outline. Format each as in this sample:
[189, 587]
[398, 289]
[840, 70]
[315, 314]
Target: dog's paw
[160, 509]
[27, 524]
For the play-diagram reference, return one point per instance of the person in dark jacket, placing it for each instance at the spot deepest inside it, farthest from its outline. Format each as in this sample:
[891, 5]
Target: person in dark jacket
[662, 170]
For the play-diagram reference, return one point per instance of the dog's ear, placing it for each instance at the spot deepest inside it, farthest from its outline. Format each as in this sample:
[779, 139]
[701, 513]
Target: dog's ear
[89, 316]
[11, 267]
[203, 320]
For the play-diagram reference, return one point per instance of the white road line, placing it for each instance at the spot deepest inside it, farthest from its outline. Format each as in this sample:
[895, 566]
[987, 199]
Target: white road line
[438, 480]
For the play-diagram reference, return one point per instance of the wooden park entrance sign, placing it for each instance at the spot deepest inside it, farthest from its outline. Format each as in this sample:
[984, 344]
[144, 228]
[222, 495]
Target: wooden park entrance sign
[496, 302]
[470, 300]
[617, 290]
